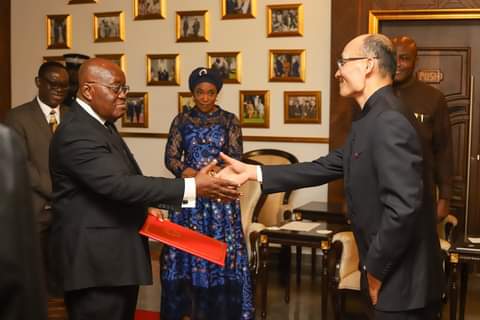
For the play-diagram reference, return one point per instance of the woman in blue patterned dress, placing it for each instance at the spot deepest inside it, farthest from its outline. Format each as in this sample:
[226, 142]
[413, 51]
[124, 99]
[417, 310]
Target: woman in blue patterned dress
[193, 288]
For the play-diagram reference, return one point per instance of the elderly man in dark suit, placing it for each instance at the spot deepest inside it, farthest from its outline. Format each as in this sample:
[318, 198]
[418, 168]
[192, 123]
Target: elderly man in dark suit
[22, 289]
[101, 199]
[35, 122]
[387, 193]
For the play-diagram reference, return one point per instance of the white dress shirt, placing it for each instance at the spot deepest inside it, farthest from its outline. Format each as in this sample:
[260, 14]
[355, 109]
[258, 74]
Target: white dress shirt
[46, 109]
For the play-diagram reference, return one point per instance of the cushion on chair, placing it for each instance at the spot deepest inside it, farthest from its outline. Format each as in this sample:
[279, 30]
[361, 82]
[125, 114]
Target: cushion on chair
[349, 261]
[351, 281]
[251, 192]
[444, 245]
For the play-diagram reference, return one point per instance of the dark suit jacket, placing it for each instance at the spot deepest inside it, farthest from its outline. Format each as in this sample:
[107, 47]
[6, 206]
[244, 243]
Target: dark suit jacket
[392, 215]
[32, 127]
[434, 126]
[100, 200]
[22, 290]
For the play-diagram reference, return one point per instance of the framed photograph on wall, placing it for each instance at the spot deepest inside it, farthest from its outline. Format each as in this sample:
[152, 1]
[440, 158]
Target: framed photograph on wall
[81, 1]
[108, 26]
[118, 59]
[238, 9]
[192, 26]
[227, 64]
[149, 9]
[285, 20]
[302, 107]
[59, 31]
[137, 110]
[254, 109]
[163, 70]
[287, 65]
[185, 101]
[59, 59]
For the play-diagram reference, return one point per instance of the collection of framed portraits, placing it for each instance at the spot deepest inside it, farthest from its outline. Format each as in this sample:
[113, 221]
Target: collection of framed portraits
[285, 65]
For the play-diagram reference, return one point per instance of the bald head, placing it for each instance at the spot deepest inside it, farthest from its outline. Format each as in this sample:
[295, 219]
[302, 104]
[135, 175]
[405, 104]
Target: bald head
[97, 70]
[406, 57]
[101, 85]
[367, 64]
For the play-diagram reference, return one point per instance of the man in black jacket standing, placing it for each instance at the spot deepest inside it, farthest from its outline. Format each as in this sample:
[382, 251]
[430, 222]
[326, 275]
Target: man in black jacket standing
[392, 216]
[101, 199]
[22, 286]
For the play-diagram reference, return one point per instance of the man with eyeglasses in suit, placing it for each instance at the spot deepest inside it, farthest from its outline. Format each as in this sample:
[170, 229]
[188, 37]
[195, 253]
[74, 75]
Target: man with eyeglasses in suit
[386, 189]
[101, 200]
[35, 122]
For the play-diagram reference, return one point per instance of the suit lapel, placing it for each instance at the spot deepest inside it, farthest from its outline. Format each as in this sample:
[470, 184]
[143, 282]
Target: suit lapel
[115, 142]
[39, 120]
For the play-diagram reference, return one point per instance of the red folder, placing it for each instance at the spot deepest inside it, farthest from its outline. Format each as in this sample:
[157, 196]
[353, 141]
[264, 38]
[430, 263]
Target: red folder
[185, 239]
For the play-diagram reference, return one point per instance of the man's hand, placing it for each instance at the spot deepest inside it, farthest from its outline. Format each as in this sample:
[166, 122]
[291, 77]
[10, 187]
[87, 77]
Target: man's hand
[237, 171]
[211, 186]
[160, 214]
[374, 286]
[443, 208]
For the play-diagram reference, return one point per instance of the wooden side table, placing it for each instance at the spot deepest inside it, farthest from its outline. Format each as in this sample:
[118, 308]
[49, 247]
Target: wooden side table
[459, 255]
[312, 239]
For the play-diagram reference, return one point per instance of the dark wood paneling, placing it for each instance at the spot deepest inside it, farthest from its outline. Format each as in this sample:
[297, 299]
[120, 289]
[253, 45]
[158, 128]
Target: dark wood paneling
[5, 84]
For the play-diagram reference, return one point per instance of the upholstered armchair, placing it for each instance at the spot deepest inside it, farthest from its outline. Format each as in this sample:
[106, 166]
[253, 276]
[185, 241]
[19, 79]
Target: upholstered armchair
[344, 271]
[276, 205]
[251, 202]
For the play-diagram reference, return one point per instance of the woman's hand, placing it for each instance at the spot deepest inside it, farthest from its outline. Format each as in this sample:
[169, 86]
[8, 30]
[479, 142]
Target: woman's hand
[189, 173]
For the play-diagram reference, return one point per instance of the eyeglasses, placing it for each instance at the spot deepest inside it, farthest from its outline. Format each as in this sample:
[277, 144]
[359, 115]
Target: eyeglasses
[55, 85]
[116, 89]
[342, 61]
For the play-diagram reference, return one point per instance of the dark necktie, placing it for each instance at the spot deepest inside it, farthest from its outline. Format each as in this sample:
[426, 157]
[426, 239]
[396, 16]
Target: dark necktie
[122, 146]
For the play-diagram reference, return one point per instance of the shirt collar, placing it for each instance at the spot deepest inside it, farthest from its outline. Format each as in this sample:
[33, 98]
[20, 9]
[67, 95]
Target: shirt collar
[46, 109]
[90, 111]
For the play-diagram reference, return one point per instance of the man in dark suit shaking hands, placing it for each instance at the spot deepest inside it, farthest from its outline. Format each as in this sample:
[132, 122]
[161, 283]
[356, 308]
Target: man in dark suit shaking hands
[101, 200]
[389, 199]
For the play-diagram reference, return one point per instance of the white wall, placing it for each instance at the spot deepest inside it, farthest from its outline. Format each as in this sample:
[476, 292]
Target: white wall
[158, 36]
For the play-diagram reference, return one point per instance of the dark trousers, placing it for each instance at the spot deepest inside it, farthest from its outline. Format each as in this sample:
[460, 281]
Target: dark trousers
[431, 312]
[100, 303]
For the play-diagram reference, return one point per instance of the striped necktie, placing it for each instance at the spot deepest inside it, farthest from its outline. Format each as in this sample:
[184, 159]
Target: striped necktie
[52, 121]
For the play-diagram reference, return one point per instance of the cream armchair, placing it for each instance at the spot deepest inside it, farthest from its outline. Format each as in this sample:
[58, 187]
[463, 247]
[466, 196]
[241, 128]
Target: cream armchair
[276, 205]
[344, 271]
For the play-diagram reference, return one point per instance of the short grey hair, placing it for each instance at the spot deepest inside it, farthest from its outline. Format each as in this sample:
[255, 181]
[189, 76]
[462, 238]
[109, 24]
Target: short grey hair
[381, 47]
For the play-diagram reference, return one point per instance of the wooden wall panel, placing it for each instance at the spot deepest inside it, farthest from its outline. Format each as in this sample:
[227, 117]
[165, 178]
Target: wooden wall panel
[5, 85]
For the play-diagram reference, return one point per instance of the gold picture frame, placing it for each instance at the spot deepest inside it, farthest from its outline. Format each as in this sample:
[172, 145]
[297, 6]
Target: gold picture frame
[234, 9]
[227, 64]
[254, 108]
[117, 58]
[81, 1]
[185, 101]
[285, 20]
[136, 115]
[302, 107]
[109, 26]
[146, 10]
[59, 31]
[163, 70]
[192, 26]
[59, 59]
[287, 65]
